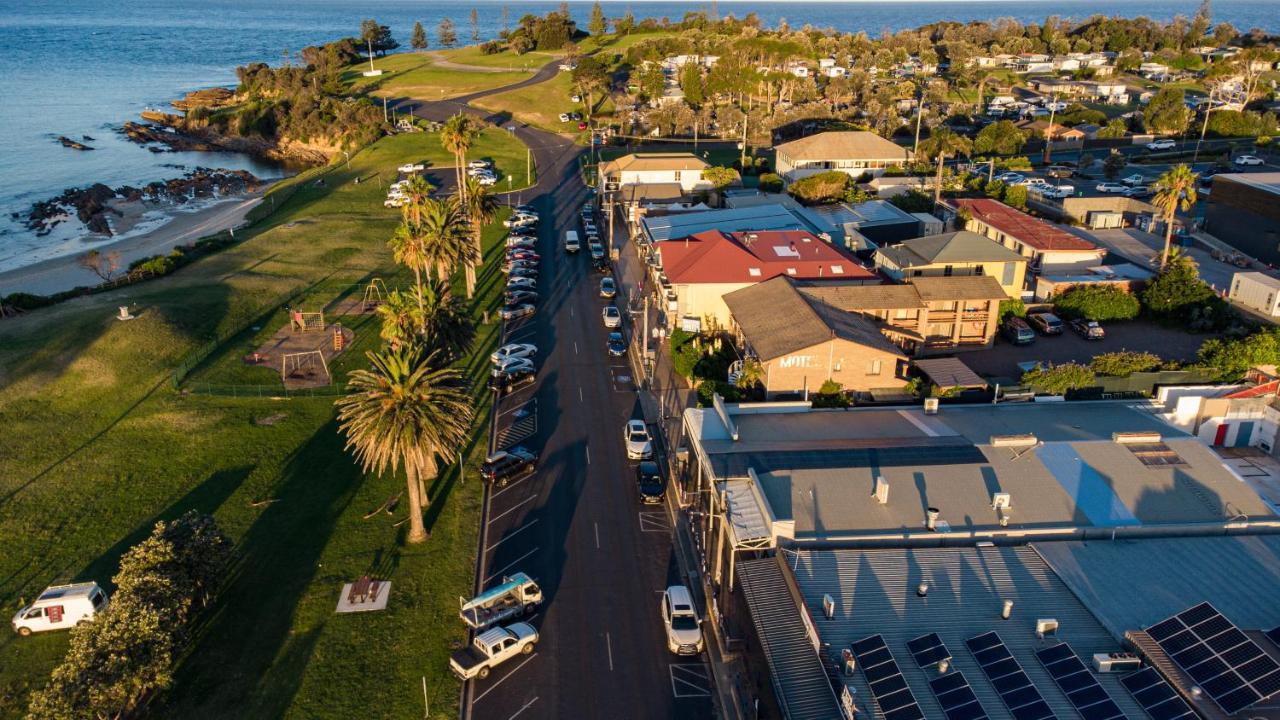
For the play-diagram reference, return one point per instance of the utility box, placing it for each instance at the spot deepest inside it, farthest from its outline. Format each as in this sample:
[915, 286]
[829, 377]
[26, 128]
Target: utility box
[1256, 291]
[1099, 220]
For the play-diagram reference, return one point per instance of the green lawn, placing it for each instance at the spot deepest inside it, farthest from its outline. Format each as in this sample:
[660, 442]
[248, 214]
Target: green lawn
[540, 105]
[472, 55]
[99, 446]
[413, 75]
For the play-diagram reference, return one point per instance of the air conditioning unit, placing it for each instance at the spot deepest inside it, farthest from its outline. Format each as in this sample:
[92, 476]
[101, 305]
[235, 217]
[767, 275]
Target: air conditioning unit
[1046, 627]
[1116, 662]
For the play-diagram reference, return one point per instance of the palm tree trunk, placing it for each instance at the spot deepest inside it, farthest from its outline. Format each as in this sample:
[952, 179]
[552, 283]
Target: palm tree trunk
[417, 290]
[417, 531]
[1168, 240]
[471, 281]
[478, 234]
[937, 188]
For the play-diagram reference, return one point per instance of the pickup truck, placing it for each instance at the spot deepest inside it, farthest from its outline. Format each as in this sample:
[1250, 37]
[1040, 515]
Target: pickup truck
[517, 596]
[492, 648]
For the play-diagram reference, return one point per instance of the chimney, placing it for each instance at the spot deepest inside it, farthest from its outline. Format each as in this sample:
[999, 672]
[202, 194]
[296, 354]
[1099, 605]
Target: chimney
[922, 589]
[931, 521]
[1007, 610]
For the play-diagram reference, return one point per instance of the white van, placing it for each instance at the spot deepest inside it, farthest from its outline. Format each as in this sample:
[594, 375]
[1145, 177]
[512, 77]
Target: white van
[571, 244]
[61, 607]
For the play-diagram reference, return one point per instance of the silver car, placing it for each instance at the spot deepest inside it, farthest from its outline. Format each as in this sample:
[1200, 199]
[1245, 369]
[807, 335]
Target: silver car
[639, 443]
[680, 618]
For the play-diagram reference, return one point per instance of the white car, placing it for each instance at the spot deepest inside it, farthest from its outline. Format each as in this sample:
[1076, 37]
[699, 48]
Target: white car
[479, 164]
[1010, 178]
[522, 283]
[564, 117]
[1061, 191]
[513, 350]
[639, 443]
[1165, 144]
[1110, 187]
[680, 619]
[395, 202]
[513, 365]
[408, 168]
[487, 180]
[519, 221]
[512, 312]
[61, 607]
[575, 97]
[612, 318]
[479, 171]
[1248, 160]
[1134, 180]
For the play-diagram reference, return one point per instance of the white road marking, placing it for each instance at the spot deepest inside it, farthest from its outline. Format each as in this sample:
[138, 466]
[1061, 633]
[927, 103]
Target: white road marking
[510, 565]
[655, 521]
[504, 677]
[608, 643]
[523, 708]
[689, 680]
[597, 527]
[580, 394]
[508, 511]
[575, 347]
[526, 526]
[588, 449]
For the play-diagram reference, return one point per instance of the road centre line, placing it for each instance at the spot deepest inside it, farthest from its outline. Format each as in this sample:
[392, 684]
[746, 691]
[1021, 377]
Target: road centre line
[508, 511]
[504, 677]
[597, 527]
[523, 708]
[580, 394]
[588, 449]
[510, 565]
[526, 526]
[608, 643]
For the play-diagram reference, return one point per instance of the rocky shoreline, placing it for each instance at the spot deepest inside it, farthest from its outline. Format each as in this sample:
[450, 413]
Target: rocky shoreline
[162, 133]
[92, 205]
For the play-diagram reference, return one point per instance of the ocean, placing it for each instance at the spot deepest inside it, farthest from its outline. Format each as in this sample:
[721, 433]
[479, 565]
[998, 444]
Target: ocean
[82, 67]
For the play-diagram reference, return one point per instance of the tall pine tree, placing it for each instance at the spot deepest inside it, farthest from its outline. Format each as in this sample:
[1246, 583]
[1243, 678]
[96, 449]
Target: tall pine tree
[597, 25]
[475, 26]
[446, 33]
[419, 39]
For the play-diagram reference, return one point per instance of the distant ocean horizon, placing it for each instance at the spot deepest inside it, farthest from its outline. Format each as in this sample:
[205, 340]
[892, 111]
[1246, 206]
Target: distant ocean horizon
[83, 67]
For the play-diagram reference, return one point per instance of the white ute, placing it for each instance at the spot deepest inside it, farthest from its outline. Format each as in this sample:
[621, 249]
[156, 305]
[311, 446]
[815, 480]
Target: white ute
[517, 596]
[60, 607]
[492, 648]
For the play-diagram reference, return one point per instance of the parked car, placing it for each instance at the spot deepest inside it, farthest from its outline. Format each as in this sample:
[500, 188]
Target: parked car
[513, 350]
[1088, 329]
[1046, 322]
[475, 170]
[1060, 191]
[515, 597]
[1140, 191]
[638, 441]
[522, 254]
[601, 265]
[608, 288]
[479, 164]
[504, 465]
[616, 344]
[1017, 331]
[1111, 187]
[680, 619]
[1135, 179]
[526, 209]
[597, 251]
[521, 283]
[1060, 172]
[564, 117]
[412, 168]
[492, 648]
[524, 271]
[517, 296]
[523, 242]
[1010, 178]
[514, 312]
[649, 482]
[612, 318]
[507, 366]
[1248, 160]
[487, 180]
[512, 381]
[1165, 144]
[61, 607]
[520, 220]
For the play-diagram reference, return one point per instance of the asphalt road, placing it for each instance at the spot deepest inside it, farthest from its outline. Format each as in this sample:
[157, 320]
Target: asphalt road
[576, 525]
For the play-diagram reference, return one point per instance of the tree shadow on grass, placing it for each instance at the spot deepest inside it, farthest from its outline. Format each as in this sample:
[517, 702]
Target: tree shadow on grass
[250, 655]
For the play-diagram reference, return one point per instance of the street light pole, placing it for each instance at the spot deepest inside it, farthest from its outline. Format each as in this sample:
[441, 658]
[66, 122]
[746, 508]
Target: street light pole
[1048, 135]
[1204, 128]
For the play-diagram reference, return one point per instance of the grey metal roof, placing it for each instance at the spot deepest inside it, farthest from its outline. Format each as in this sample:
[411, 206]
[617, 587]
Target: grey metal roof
[1135, 583]
[760, 217]
[950, 373]
[961, 246]
[799, 680]
[875, 592]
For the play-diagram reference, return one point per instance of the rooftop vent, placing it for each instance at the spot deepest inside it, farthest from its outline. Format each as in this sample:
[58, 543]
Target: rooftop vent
[1013, 441]
[1046, 627]
[1135, 438]
[881, 491]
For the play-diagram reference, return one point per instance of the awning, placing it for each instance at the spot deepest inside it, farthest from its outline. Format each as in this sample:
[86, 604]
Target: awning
[948, 373]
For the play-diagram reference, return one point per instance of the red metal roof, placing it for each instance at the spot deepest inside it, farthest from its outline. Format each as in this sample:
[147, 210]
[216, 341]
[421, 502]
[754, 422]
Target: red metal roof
[749, 257]
[1021, 226]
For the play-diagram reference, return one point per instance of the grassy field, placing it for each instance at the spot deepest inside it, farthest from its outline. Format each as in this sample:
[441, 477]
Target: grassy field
[540, 105]
[99, 446]
[414, 75]
[506, 60]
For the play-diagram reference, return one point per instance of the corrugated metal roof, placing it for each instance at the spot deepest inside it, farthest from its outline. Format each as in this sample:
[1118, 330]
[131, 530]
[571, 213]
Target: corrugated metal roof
[654, 161]
[748, 521]
[963, 287]
[761, 217]
[875, 592]
[1022, 227]
[950, 373]
[961, 246]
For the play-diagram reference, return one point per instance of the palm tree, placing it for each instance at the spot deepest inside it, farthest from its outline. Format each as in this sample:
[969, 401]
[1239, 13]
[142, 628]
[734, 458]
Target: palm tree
[942, 144]
[446, 242]
[448, 327]
[408, 247]
[481, 208]
[405, 409]
[403, 319]
[457, 136]
[416, 192]
[1175, 190]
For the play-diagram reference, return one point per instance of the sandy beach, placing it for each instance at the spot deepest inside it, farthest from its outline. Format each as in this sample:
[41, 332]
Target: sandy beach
[63, 273]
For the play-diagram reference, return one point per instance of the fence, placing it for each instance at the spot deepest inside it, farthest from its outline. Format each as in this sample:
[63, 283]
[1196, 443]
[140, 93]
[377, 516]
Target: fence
[260, 391]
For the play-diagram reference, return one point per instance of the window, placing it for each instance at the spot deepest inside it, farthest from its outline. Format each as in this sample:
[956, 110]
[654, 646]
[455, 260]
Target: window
[31, 615]
[979, 270]
[753, 272]
[837, 269]
[1155, 454]
[791, 271]
[873, 368]
[946, 271]
[917, 273]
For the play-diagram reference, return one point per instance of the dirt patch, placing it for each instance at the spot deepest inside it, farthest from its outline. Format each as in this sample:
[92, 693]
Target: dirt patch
[301, 352]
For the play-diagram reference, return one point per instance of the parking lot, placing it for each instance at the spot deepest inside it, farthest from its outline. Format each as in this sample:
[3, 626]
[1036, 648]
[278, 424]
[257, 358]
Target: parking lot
[1002, 360]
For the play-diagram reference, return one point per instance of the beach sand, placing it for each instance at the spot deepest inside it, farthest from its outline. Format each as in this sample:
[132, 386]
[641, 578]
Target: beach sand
[63, 273]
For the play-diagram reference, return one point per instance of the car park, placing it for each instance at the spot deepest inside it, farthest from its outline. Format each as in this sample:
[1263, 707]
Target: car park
[514, 312]
[1111, 187]
[504, 465]
[612, 318]
[1248, 160]
[1088, 329]
[1165, 144]
[513, 350]
[61, 607]
[649, 482]
[1046, 322]
[492, 648]
[608, 288]
[616, 344]
[1017, 331]
[637, 439]
[680, 619]
[517, 296]
[506, 366]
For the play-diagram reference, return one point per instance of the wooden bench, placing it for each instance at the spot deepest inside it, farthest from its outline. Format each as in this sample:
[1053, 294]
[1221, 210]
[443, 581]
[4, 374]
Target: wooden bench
[363, 590]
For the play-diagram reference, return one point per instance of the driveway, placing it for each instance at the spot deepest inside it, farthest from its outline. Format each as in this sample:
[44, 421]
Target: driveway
[1002, 360]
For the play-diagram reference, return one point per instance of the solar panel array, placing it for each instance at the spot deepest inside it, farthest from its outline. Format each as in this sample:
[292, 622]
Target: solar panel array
[888, 687]
[956, 697]
[1274, 636]
[928, 650]
[1078, 684]
[1222, 660]
[1009, 679]
[1156, 697]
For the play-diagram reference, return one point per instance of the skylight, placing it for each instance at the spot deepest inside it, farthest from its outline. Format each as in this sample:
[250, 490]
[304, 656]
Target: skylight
[753, 272]
[837, 269]
[785, 251]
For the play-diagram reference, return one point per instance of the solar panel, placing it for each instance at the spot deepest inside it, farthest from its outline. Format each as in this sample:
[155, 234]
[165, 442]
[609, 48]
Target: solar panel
[1078, 684]
[888, 687]
[956, 697]
[1222, 660]
[928, 650]
[1156, 697]
[1274, 636]
[1007, 676]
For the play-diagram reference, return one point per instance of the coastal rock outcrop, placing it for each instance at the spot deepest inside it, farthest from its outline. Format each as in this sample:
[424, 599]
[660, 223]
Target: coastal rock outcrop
[73, 144]
[162, 134]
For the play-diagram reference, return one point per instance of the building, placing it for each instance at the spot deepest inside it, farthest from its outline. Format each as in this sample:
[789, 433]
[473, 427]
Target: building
[1048, 248]
[852, 152]
[1256, 291]
[1244, 212]
[1059, 135]
[862, 226]
[954, 254]
[1126, 276]
[697, 271]
[649, 168]
[802, 343]
[765, 216]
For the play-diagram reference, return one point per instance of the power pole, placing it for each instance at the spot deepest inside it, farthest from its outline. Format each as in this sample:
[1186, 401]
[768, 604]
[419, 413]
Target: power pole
[384, 110]
[370, 54]
[1204, 127]
[528, 166]
[915, 147]
[743, 161]
[644, 343]
[1048, 135]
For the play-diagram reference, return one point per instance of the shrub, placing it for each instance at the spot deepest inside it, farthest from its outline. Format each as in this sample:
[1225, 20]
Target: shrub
[1058, 379]
[1230, 358]
[822, 188]
[1012, 306]
[685, 352]
[994, 189]
[155, 265]
[1098, 302]
[770, 182]
[913, 201]
[1177, 289]
[492, 47]
[707, 388]
[830, 395]
[26, 301]
[1124, 363]
[1015, 196]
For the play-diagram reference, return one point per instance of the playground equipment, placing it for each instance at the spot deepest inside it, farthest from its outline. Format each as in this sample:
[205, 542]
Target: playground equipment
[306, 321]
[339, 340]
[373, 294]
[307, 366]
